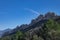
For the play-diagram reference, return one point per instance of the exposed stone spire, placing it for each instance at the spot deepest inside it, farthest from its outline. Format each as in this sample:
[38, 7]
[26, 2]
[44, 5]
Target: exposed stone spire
[50, 15]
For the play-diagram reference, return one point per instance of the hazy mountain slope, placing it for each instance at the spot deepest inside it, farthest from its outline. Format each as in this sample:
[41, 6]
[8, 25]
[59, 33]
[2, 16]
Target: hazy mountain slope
[3, 31]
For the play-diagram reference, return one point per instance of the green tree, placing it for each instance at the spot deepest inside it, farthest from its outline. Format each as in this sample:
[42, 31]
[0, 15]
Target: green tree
[20, 35]
[35, 37]
[53, 28]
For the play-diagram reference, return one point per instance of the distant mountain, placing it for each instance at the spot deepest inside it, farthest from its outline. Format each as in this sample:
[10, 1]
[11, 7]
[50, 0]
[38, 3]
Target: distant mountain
[3, 31]
[39, 21]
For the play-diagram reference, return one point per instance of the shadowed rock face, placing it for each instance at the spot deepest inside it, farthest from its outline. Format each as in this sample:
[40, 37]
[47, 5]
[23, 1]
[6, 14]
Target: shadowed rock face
[50, 14]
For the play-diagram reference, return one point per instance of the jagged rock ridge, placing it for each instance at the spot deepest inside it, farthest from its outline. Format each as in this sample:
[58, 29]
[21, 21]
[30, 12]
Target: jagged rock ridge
[39, 21]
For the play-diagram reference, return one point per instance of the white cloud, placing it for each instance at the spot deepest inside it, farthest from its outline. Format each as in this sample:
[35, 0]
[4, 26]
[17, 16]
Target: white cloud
[35, 12]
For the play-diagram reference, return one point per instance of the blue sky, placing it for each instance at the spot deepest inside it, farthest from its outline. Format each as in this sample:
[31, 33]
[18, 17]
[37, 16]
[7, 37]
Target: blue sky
[17, 12]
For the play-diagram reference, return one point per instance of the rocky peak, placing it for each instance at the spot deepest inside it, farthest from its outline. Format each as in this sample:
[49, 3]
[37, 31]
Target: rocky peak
[40, 17]
[50, 15]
